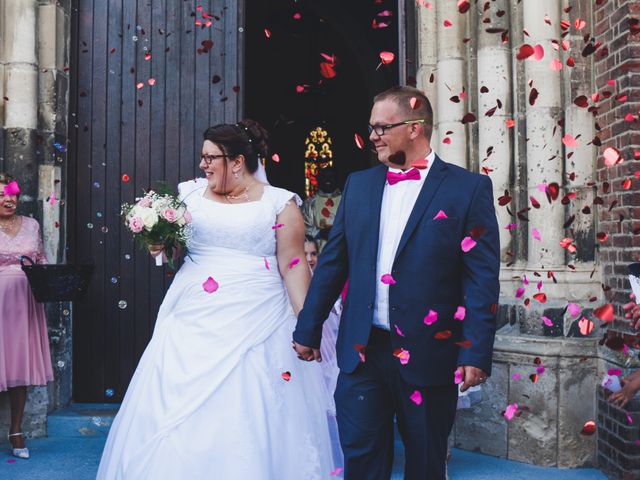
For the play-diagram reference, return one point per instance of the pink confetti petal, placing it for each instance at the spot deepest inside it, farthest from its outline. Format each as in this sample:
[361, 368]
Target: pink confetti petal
[139, 85]
[387, 279]
[536, 234]
[277, 225]
[337, 471]
[210, 285]
[547, 321]
[540, 370]
[573, 309]
[519, 292]
[457, 377]
[416, 397]
[516, 376]
[510, 411]
[460, 313]
[569, 141]
[403, 355]
[294, 262]
[398, 331]
[611, 156]
[151, 81]
[629, 418]
[11, 460]
[431, 318]
[52, 198]
[440, 215]
[266, 263]
[614, 372]
[538, 52]
[11, 188]
[467, 244]
[511, 226]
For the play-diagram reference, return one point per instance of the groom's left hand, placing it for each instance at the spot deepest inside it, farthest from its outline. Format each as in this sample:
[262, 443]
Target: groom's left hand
[471, 376]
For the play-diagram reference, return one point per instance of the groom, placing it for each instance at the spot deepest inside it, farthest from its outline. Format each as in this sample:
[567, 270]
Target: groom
[418, 240]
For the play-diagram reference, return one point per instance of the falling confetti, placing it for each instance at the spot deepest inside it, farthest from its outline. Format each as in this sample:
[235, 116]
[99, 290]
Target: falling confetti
[460, 313]
[467, 244]
[510, 411]
[589, 428]
[294, 262]
[431, 318]
[403, 355]
[457, 377]
[210, 285]
[387, 57]
[286, 376]
[359, 141]
[416, 397]
[387, 279]
[266, 263]
[604, 313]
[277, 226]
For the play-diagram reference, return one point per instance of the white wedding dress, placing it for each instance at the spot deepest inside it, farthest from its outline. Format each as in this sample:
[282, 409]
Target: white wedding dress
[209, 399]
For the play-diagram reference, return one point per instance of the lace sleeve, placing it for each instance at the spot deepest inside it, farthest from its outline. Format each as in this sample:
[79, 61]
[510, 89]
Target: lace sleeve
[285, 197]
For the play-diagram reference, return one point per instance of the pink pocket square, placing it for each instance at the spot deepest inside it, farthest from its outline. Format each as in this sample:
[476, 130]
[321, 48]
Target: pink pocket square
[440, 215]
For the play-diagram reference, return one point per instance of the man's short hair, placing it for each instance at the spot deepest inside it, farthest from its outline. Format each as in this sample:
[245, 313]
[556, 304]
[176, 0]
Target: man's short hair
[421, 109]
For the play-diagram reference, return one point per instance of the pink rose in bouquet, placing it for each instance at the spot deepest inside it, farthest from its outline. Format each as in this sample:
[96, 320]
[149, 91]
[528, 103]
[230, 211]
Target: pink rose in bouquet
[136, 225]
[170, 215]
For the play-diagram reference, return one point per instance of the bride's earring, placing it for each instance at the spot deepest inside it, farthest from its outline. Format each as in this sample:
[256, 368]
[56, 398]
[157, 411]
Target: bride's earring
[235, 175]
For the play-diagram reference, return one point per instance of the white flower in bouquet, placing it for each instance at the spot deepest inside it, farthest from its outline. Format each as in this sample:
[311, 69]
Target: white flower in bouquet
[149, 217]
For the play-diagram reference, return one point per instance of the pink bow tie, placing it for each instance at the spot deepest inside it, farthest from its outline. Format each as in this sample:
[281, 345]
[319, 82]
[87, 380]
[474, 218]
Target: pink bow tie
[393, 177]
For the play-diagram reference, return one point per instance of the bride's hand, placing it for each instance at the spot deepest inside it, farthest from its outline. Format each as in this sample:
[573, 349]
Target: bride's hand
[155, 250]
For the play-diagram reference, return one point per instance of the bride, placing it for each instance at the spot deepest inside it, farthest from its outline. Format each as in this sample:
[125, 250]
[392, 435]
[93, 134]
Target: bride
[219, 392]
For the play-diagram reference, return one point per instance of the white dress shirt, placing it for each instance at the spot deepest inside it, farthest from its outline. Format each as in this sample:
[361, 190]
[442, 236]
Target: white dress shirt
[397, 203]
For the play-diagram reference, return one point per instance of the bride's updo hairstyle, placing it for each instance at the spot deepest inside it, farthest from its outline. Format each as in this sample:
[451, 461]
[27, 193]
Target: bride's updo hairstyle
[247, 138]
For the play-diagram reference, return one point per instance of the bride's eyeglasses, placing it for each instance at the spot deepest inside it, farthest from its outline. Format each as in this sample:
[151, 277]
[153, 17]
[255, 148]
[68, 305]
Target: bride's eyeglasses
[207, 159]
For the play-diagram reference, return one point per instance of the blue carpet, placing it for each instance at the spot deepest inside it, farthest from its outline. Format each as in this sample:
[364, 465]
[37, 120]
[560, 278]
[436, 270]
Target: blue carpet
[77, 435]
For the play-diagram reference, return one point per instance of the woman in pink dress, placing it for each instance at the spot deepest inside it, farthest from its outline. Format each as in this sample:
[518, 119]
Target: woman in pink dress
[24, 344]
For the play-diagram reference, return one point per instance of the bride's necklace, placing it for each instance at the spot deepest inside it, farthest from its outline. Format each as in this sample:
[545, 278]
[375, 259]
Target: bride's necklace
[244, 195]
[8, 225]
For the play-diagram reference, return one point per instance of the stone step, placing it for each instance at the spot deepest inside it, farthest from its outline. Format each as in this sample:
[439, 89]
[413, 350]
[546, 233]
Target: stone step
[81, 420]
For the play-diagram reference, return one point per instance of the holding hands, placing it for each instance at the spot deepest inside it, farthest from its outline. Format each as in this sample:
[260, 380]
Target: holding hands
[307, 354]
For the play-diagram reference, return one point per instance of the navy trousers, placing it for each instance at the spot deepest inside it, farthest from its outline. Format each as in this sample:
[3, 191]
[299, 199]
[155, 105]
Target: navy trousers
[367, 401]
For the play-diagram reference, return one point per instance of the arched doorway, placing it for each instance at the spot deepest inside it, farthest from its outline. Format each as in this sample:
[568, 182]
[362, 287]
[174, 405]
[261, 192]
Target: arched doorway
[285, 44]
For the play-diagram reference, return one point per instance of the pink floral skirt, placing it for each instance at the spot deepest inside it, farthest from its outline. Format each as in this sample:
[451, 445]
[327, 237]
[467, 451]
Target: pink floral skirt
[24, 344]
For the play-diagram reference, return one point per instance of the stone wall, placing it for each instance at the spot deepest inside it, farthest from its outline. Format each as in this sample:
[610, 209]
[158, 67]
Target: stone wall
[34, 79]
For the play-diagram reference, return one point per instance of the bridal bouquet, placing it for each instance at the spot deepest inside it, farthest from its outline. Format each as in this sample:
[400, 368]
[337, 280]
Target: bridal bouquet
[158, 218]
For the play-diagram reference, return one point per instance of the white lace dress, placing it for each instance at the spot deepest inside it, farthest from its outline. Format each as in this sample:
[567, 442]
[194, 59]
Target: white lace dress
[219, 393]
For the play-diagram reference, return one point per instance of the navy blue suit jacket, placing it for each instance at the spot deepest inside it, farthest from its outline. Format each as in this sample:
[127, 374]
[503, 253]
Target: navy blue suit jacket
[430, 269]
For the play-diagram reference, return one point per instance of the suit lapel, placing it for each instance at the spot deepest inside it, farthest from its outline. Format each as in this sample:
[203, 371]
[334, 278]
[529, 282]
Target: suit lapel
[435, 176]
[375, 208]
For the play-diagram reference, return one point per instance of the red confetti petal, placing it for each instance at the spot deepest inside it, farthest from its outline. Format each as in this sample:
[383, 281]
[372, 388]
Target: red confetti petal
[387, 57]
[275, 157]
[443, 335]
[605, 312]
[589, 428]
[359, 141]
[327, 70]
[541, 297]
[286, 376]
[294, 262]
[125, 178]
[525, 52]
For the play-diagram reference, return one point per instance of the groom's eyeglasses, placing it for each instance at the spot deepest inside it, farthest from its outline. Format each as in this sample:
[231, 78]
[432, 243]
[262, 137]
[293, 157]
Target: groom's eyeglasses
[207, 159]
[382, 129]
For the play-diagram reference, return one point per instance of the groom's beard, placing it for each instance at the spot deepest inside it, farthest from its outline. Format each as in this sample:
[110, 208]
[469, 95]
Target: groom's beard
[398, 158]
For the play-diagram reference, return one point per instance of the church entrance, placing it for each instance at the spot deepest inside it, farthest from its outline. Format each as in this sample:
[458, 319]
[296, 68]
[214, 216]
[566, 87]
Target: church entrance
[311, 65]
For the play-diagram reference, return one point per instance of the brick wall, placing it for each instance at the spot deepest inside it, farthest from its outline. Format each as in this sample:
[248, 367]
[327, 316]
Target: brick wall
[618, 59]
[618, 452]
[617, 79]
